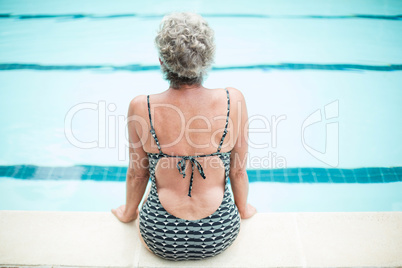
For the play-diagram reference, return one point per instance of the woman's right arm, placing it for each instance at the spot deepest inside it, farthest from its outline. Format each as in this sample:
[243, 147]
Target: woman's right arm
[238, 161]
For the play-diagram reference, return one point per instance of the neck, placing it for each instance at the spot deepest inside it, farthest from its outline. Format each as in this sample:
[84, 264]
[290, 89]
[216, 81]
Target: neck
[188, 87]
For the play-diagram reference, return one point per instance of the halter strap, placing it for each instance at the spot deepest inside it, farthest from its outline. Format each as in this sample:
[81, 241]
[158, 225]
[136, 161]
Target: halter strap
[152, 128]
[227, 121]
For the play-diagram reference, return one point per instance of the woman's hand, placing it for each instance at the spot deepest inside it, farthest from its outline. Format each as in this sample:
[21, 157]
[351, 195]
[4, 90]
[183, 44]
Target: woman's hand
[122, 214]
[249, 212]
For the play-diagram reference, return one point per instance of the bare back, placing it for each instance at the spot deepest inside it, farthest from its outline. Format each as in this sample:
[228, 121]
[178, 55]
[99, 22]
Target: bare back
[190, 122]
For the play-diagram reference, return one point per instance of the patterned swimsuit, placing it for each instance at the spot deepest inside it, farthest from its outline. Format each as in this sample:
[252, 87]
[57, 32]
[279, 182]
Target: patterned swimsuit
[173, 238]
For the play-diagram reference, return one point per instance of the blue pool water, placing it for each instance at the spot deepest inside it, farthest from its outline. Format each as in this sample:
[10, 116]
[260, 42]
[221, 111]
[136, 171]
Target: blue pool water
[97, 188]
[322, 81]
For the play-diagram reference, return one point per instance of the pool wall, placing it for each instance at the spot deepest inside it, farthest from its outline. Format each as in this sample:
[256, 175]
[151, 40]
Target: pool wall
[98, 239]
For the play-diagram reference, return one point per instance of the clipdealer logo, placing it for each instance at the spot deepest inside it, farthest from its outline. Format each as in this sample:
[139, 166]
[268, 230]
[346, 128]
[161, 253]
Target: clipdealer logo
[108, 137]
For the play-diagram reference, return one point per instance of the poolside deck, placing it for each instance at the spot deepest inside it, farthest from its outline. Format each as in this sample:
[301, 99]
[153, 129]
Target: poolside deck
[98, 239]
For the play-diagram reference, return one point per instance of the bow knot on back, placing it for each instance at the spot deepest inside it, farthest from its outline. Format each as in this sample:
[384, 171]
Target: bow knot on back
[181, 166]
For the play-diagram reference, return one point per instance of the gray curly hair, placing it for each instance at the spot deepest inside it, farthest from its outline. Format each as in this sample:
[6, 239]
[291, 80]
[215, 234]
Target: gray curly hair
[186, 46]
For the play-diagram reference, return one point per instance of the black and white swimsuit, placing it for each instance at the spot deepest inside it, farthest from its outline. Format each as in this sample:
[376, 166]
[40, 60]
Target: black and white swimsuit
[177, 239]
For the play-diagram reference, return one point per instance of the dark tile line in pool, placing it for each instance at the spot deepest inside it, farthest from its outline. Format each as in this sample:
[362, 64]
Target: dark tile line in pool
[264, 67]
[75, 16]
[288, 175]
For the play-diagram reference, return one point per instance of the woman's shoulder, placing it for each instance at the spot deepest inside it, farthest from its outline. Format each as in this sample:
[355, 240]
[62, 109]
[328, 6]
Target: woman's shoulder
[138, 104]
[235, 94]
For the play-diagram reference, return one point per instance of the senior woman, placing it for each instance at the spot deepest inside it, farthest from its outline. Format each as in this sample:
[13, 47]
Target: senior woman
[189, 140]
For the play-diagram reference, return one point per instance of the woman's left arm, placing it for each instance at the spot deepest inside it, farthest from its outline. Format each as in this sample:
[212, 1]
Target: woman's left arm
[137, 172]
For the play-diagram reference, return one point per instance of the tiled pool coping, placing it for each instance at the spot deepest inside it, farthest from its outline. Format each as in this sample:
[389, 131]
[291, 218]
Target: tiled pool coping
[289, 175]
[98, 239]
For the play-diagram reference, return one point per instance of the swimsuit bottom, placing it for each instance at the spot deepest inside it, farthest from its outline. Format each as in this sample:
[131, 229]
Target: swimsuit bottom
[173, 238]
